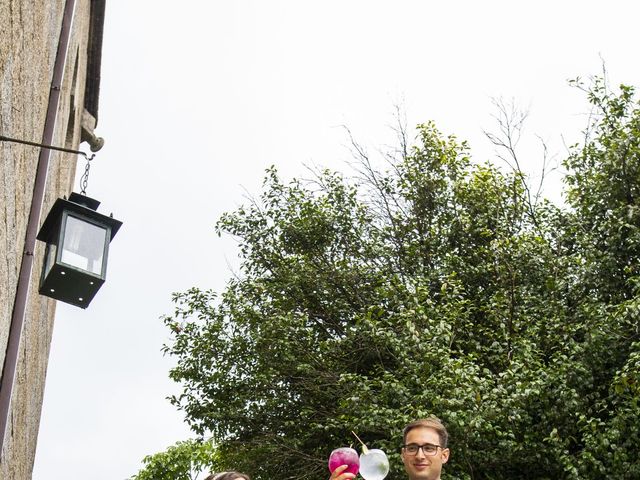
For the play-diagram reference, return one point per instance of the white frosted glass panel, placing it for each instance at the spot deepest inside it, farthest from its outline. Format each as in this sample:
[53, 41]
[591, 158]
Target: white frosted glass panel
[83, 245]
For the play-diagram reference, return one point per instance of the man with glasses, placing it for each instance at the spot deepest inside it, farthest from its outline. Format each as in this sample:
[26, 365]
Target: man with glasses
[424, 451]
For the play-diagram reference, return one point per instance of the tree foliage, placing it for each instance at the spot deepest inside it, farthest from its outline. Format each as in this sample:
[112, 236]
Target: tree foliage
[434, 287]
[183, 461]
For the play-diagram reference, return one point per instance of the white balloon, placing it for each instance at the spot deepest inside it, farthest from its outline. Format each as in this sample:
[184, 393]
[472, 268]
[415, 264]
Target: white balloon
[374, 465]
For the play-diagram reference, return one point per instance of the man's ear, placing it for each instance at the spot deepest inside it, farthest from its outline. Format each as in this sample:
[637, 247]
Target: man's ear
[445, 455]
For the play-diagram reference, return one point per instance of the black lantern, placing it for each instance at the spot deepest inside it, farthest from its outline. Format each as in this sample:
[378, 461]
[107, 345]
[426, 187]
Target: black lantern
[77, 238]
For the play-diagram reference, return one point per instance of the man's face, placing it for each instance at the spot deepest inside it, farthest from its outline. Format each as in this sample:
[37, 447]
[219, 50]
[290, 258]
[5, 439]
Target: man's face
[421, 466]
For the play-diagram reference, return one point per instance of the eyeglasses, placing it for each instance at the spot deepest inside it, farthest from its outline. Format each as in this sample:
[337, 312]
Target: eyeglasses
[428, 449]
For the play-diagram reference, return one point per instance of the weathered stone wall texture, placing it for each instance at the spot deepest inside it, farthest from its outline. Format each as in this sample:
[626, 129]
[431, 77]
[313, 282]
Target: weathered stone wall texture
[29, 33]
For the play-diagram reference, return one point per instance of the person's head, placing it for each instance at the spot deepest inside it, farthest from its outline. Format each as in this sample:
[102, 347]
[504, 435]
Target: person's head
[228, 476]
[424, 448]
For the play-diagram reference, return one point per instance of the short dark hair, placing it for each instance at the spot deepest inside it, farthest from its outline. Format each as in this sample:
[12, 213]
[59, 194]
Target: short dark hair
[227, 476]
[429, 422]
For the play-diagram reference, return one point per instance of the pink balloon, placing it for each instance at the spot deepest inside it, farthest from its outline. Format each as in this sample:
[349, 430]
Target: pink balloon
[344, 456]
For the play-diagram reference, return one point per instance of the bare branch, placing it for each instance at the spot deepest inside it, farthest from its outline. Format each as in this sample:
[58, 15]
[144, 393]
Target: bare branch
[510, 121]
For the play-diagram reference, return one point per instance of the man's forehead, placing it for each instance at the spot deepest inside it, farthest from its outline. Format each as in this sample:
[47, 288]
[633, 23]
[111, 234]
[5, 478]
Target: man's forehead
[422, 434]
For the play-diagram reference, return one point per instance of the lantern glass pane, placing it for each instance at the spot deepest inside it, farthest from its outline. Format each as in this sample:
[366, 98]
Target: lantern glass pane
[50, 257]
[83, 245]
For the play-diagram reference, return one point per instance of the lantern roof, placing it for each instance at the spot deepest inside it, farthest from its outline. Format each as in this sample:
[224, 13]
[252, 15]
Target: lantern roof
[77, 203]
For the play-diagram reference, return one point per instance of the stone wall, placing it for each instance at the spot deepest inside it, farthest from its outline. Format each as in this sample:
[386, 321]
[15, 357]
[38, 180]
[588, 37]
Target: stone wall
[29, 33]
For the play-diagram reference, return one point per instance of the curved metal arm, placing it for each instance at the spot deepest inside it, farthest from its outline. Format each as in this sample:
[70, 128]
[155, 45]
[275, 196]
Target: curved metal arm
[50, 147]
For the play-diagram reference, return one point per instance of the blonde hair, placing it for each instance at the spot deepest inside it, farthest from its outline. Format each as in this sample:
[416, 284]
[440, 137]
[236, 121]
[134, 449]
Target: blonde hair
[429, 422]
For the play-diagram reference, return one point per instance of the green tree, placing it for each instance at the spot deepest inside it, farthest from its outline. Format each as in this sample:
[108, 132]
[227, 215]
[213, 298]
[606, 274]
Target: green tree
[182, 461]
[435, 287]
[601, 244]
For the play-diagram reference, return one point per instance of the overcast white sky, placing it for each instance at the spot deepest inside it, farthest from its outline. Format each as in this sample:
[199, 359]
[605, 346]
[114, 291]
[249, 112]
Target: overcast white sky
[199, 97]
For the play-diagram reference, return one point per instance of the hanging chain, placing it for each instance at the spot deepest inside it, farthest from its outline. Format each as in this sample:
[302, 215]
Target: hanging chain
[85, 176]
